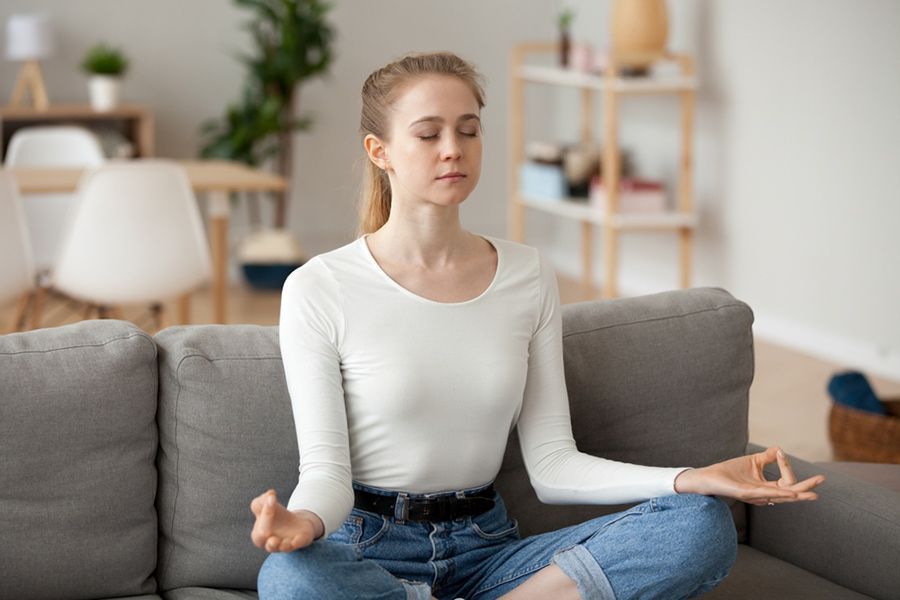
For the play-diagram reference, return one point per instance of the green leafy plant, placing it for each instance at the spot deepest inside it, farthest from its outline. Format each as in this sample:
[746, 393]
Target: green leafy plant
[292, 44]
[565, 18]
[102, 59]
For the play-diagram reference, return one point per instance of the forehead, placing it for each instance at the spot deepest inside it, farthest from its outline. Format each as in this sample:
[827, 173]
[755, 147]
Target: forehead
[446, 96]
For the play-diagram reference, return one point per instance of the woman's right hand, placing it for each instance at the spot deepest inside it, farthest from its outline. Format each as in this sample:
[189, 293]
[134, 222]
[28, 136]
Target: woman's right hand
[279, 530]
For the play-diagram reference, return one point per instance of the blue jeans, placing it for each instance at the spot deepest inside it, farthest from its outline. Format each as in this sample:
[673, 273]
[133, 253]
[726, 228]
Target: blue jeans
[677, 546]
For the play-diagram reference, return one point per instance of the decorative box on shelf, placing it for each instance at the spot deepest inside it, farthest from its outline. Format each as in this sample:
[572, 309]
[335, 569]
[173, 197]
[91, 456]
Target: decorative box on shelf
[542, 181]
[636, 196]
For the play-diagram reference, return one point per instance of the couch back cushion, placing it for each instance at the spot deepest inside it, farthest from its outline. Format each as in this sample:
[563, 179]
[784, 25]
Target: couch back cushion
[660, 380]
[78, 444]
[226, 435]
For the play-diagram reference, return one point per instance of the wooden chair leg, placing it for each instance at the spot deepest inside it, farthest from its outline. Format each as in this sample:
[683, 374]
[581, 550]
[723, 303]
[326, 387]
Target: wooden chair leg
[159, 316]
[115, 312]
[21, 313]
[38, 307]
[88, 310]
[184, 309]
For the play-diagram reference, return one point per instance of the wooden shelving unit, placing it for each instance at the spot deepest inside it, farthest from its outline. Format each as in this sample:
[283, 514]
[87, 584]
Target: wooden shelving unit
[133, 121]
[611, 87]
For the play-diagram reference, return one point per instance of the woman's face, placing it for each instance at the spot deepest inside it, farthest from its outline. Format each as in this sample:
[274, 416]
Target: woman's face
[435, 130]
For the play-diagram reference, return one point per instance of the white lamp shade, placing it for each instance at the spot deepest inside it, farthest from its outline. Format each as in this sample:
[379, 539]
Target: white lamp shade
[29, 37]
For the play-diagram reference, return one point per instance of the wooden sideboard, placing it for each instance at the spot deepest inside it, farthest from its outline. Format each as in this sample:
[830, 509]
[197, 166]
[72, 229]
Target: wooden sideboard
[133, 122]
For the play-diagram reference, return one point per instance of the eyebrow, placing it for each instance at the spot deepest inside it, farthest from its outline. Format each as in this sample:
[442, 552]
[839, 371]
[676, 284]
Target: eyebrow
[465, 117]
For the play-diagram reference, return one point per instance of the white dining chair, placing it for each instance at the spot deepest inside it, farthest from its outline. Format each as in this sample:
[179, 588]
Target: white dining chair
[135, 236]
[50, 146]
[17, 275]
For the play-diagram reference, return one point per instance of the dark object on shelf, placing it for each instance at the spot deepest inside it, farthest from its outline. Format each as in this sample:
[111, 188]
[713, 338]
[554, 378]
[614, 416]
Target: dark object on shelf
[851, 388]
[579, 191]
[564, 21]
[268, 277]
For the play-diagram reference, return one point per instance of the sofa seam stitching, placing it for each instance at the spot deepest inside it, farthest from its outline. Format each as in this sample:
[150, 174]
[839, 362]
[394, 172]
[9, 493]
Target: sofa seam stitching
[651, 320]
[165, 572]
[96, 345]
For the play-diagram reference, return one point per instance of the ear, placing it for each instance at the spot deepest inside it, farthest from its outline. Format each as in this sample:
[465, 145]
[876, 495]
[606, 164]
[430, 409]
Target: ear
[377, 151]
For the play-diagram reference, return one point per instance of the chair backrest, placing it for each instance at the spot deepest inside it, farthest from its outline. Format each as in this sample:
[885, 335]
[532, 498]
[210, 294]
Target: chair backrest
[16, 264]
[135, 235]
[51, 146]
[54, 146]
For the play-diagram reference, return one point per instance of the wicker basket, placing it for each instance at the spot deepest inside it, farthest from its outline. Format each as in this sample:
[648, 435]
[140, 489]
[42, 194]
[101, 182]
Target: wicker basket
[862, 436]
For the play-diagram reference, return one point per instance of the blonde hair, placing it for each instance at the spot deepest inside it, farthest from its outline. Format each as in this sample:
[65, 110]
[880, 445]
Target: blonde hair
[379, 93]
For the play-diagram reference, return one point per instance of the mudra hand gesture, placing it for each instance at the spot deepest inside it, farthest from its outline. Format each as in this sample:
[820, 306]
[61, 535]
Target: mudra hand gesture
[743, 478]
[278, 529]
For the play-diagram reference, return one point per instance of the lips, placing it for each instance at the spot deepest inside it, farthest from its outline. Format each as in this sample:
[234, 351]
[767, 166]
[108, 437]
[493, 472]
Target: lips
[453, 174]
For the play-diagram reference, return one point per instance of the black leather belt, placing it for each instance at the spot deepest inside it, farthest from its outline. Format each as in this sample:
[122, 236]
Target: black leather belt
[442, 508]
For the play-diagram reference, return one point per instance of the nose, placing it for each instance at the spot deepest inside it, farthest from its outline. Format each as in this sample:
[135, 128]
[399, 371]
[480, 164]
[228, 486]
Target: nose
[451, 148]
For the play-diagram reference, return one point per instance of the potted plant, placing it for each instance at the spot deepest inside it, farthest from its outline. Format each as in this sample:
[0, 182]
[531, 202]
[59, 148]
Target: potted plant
[292, 43]
[106, 66]
[564, 21]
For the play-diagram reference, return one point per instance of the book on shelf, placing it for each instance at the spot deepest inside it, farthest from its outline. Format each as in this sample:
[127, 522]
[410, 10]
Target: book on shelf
[635, 195]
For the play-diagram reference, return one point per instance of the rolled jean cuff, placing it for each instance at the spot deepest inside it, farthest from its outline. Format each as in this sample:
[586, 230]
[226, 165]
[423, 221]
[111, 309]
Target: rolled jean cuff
[416, 590]
[582, 568]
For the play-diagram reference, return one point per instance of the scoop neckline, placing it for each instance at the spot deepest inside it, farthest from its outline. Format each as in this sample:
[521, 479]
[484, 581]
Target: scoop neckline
[374, 263]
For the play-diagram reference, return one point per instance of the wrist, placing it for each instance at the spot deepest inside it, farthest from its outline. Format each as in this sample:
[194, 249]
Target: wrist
[317, 524]
[687, 482]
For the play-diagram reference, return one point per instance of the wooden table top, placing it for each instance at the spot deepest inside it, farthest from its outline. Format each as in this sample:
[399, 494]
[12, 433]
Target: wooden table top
[204, 175]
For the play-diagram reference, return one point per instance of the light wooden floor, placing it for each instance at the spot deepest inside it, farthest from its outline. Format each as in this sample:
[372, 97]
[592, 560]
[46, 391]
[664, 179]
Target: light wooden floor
[788, 400]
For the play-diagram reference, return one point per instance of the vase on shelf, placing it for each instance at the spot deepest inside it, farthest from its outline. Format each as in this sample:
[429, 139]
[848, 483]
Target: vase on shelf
[104, 92]
[640, 30]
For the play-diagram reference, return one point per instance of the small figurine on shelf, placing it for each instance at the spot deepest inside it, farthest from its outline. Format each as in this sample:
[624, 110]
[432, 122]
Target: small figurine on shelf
[564, 21]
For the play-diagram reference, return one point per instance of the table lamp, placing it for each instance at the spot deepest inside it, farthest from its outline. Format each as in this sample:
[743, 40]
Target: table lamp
[29, 38]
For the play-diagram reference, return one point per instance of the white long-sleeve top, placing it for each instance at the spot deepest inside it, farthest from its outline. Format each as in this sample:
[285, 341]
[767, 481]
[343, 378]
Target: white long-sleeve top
[402, 392]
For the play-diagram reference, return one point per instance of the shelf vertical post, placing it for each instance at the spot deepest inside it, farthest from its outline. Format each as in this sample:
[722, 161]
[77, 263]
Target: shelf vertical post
[587, 241]
[610, 181]
[516, 211]
[685, 183]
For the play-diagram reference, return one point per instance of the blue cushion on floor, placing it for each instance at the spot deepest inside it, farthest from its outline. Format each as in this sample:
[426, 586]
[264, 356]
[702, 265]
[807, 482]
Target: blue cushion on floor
[852, 389]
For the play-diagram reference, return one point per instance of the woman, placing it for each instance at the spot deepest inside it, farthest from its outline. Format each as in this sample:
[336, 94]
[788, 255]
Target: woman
[412, 352]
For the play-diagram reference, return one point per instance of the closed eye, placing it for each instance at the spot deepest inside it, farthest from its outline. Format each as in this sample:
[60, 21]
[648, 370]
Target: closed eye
[432, 137]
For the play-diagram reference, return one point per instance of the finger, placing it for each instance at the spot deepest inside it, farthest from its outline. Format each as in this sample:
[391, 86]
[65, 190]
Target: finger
[804, 497]
[257, 503]
[764, 492]
[769, 455]
[286, 545]
[807, 484]
[787, 472]
[273, 543]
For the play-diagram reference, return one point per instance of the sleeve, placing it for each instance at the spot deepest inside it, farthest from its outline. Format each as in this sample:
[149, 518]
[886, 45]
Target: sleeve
[558, 472]
[310, 327]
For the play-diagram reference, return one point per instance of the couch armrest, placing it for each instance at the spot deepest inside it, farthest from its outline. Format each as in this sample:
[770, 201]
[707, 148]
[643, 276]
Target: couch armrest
[850, 535]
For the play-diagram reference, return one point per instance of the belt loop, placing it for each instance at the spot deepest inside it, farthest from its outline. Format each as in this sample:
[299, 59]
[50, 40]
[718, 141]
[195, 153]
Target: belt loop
[401, 507]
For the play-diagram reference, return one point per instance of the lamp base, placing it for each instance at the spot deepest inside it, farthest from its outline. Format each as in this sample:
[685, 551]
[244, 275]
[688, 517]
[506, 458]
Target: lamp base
[30, 80]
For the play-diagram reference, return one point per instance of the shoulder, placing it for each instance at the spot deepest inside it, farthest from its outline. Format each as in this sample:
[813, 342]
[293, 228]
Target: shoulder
[318, 274]
[517, 254]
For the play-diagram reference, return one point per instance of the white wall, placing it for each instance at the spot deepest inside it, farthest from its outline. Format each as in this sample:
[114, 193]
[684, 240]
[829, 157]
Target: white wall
[797, 169]
[797, 180]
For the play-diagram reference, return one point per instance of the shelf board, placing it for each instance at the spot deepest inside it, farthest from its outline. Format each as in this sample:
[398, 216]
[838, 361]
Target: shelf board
[623, 85]
[583, 211]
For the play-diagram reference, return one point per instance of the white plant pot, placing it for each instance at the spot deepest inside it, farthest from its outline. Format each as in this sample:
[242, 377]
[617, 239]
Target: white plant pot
[104, 92]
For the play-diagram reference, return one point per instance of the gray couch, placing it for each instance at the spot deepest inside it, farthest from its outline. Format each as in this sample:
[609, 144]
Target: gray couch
[128, 462]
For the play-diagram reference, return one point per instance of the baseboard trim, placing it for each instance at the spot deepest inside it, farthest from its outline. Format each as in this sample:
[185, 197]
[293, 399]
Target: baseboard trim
[823, 345]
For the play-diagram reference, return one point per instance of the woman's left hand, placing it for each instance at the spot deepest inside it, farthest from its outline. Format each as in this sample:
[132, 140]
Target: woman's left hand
[743, 478]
